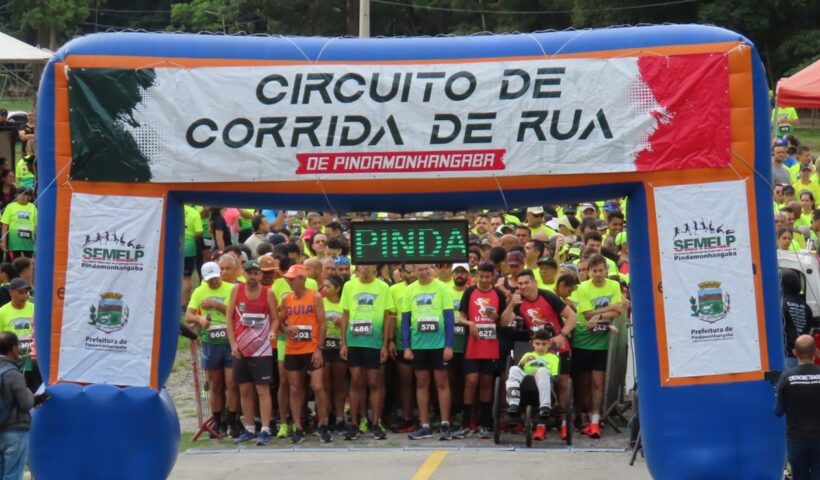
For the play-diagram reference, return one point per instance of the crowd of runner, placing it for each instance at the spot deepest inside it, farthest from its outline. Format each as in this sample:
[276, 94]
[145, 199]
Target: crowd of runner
[283, 317]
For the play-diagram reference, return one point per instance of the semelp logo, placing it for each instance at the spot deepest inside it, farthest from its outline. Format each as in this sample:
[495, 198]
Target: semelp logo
[110, 251]
[703, 239]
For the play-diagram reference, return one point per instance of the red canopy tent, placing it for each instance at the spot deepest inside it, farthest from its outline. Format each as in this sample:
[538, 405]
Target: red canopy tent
[801, 90]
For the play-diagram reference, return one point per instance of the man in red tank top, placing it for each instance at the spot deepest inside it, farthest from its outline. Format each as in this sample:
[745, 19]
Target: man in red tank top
[303, 320]
[252, 310]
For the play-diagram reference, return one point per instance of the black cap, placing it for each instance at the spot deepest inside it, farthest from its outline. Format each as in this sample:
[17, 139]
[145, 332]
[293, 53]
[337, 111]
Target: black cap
[19, 284]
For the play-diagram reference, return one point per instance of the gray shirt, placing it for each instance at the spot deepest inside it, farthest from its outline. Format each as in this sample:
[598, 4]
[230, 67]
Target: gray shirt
[18, 397]
[780, 174]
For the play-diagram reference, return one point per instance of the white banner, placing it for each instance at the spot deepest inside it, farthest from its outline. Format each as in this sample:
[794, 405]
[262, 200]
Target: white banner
[708, 284]
[515, 117]
[110, 290]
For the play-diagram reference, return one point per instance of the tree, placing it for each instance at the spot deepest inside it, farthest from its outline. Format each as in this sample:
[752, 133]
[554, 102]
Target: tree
[53, 20]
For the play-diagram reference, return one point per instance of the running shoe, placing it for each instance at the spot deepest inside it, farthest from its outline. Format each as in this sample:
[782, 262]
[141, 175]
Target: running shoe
[484, 433]
[421, 433]
[444, 432]
[352, 433]
[405, 426]
[298, 436]
[284, 431]
[564, 432]
[544, 412]
[540, 432]
[324, 433]
[263, 439]
[512, 410]
[517, 428]
[462, 433]
[363, 425]
[594, 430]
[245, 436]
[378, 431]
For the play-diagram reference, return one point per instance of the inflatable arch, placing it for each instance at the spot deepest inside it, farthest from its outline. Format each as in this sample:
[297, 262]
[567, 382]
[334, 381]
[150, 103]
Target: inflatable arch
[131, 125]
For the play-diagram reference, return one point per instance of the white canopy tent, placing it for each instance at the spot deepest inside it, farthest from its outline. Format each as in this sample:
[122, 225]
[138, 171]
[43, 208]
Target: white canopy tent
[15, 51]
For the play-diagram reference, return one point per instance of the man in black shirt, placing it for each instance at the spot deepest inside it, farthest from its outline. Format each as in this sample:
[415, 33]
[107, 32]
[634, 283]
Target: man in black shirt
[797, 316]
[798, 394]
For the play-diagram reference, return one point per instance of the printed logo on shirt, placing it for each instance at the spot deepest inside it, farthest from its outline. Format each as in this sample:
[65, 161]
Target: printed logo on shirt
[425, 298]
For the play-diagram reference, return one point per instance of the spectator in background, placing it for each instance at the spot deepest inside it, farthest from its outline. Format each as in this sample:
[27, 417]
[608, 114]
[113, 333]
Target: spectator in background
[780, 174]
[797, 394]
[220, 231]
[797, 316]
[20, 401]
[26, 134]
[8, 188]
[19, 221]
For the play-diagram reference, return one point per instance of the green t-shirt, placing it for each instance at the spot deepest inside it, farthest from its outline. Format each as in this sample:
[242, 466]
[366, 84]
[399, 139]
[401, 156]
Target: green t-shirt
[542, 228]
[397, 294]
[280, 288]
[206, 232]
[246, 223]
[25, 179]
[333, 316]
[460, 337]
[193, 226]
[22, 222]
[366, 304]
[21, 323]
[426, 305]
[217, 333]
[532, 361]
[592, 298]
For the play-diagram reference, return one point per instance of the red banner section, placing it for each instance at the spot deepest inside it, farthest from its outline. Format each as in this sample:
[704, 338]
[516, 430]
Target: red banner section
[694, 129]
[400, 162]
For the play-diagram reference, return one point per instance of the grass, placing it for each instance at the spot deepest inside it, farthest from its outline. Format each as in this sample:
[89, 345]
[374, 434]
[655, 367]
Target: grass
[810, 137]
[21, 104]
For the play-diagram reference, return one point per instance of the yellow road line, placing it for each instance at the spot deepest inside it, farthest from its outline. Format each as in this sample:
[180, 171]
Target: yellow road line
[429, 467]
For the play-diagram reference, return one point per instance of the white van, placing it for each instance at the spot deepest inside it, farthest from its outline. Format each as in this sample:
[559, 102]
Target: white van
[808, 268]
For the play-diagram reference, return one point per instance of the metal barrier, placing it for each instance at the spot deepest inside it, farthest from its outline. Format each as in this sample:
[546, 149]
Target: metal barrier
[615, 403]
[202, 396]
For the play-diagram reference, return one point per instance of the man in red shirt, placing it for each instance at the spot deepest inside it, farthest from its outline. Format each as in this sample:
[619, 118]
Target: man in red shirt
[542, 309]
[252, 310]
[479, 312]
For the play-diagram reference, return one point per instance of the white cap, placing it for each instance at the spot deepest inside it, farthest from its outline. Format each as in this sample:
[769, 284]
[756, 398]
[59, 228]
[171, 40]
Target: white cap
[536, 210]
[553, 224]
[587, 206]
[465, 266]
[210, 270]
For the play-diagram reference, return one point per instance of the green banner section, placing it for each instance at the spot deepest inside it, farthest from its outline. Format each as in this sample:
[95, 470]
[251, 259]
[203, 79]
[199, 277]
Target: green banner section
[101, 102]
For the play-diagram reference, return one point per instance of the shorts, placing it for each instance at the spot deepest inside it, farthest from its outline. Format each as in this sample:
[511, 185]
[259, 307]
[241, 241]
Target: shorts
[216, 356]
[299, 362]
[566, 363]
[429, 359]
[584, 360]
[332, 356]
[256, 370]
[480, 366]
[361, 357]
[457, 362]
[188, 266]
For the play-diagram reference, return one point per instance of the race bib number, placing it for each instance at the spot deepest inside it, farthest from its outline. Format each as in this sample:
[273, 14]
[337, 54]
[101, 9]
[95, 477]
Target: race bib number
[361, 328]
[254, 320]
[304, 333]
[460, 330]
[25, 344]
[487, 331]
[601, 327]
[517, 323]
[24, 234]
[333, 343]
[216, 334]
[427, 325]
[515, 393]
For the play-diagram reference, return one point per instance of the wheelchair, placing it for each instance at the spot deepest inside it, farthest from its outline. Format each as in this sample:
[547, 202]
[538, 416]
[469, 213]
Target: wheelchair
[529, 402]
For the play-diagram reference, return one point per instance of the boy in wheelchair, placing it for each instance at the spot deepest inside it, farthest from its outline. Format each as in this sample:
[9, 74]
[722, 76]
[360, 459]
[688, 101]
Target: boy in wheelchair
[542, 365]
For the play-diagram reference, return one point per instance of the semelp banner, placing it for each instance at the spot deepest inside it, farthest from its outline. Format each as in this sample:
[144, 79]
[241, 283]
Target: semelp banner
[110, 290]
[708, 284]
[346, 121]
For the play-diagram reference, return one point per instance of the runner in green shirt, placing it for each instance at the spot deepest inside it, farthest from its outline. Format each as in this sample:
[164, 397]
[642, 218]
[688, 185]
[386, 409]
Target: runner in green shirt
[193, 231]
[367, 304]
[19, 223]
[206, 311]
[396, 348]
[335, 369]
[427, 330]
[599, 302]
[17, 317]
